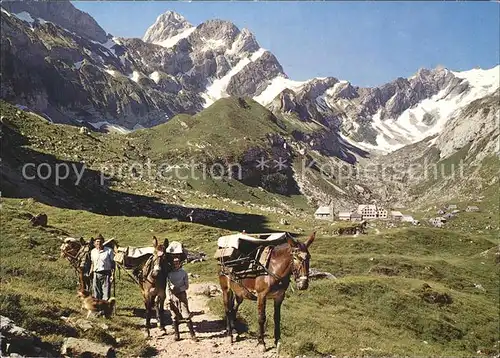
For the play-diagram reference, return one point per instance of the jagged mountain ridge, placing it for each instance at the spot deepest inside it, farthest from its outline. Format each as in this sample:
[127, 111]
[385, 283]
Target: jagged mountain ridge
[399, 113]
[133, 83]
[60, 12]
[180, 68]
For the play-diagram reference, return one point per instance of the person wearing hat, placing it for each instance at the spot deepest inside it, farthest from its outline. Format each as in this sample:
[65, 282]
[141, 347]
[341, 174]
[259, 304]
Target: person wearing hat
[103, 265]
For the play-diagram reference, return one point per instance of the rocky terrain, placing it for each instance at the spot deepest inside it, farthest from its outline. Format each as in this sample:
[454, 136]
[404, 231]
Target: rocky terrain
[75, 73]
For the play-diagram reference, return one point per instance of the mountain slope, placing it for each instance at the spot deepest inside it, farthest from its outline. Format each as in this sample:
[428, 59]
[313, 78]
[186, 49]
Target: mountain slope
[181, 68]
[386, 118]
[461, 164]
[60, 12]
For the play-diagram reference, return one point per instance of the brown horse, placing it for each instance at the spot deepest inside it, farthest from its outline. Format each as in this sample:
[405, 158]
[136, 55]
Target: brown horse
[290, 258]
[153, 283]
[77, 252]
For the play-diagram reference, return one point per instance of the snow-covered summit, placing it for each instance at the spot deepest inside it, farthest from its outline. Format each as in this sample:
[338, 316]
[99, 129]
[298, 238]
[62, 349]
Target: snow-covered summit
[167, 27]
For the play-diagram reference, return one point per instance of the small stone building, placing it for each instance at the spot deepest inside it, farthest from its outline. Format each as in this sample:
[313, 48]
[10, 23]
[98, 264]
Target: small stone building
[396, 215]
[344, 215]
[324, 213]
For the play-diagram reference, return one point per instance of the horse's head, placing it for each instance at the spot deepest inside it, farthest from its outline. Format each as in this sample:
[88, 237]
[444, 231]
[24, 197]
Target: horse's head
[159, 256]
[71, 246]
[301, 257]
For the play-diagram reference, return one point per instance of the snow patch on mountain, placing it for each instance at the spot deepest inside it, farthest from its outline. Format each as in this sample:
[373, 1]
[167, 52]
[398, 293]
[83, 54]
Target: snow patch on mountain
[411, 126]
[218, 88]
[390, 135]
[78, 64]
[483, 82]
[110, 127]
[135, 76]
[212, 44]
[25, 16]
[257, 54]
[43, 22]
[336, 88]
[108, 45]
[276, 86]
[114, 73]
[155, 76]
[323, 99]
[6, 12]
[362, 145]
[172, 41]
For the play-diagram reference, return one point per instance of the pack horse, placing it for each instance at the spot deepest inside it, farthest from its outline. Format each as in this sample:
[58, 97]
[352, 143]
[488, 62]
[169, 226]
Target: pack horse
[259, 267]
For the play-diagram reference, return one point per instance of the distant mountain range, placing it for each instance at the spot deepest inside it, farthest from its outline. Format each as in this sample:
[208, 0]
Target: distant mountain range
[57, 61]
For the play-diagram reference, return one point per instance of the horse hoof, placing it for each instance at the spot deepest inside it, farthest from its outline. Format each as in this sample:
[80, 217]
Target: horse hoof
[278, 348]
[261, 347]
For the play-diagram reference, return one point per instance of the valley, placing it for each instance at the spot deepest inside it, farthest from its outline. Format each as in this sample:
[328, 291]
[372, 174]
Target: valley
[195, 132]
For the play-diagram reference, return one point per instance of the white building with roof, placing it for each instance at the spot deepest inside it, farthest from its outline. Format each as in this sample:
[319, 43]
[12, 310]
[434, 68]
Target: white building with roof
[396, 215]
[324, 213]
[407, 218]
[344, 215]
[368, 211]
[382, 213]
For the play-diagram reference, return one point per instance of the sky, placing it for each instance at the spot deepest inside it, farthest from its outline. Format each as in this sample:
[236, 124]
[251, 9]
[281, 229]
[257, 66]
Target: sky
[366, 43]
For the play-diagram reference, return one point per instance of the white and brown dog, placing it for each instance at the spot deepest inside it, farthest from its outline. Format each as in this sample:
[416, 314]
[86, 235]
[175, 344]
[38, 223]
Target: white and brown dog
[96, 306]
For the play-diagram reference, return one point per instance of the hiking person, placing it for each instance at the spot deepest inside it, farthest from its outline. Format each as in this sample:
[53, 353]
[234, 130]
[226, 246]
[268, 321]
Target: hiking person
[178, 283]
[103, 266]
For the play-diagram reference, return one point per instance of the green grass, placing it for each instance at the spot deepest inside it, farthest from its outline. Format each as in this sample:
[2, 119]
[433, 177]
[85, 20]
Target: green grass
[377, 295]
[375, 307]
[223, 131]
[33, 139]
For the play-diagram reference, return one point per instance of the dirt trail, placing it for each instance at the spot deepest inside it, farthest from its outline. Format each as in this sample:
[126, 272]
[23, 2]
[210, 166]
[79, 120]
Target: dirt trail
[210, 331]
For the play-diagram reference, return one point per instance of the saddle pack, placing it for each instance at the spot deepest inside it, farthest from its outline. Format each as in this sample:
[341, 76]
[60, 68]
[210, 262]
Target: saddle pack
[247, 255]
[132, 257]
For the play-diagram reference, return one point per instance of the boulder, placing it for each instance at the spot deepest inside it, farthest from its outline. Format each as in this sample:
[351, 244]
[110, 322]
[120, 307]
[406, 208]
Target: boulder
[84, 324]
[76, 347]
[316, 274]
[284, 222]
[193, 256]
[39, 220]
[84, 130]
[359, 188]
[17, 341]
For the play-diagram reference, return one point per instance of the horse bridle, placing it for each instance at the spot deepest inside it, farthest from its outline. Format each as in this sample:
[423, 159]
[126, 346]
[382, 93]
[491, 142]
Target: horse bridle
[76, 260]
[154, 263]
[298, 256]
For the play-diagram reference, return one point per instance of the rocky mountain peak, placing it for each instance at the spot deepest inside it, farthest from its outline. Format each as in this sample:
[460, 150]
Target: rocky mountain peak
[166, 26]
[218, 30]
[244, 42]
[62, 13]
[425, 75]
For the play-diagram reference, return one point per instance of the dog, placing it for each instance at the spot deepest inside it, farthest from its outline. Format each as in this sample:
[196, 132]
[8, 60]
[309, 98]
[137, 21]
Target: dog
[96, 306]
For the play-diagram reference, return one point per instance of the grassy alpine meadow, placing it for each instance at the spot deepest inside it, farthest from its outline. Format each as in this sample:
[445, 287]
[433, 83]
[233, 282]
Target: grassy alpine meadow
[408, 292]
[378, 305]
[399, 290]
